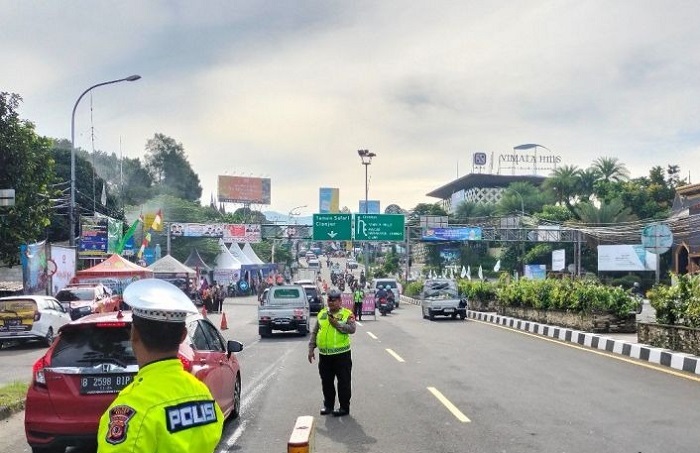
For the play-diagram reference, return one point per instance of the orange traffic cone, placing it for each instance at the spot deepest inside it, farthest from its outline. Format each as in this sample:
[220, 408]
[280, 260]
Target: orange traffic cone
[204, 310]
[224, 324]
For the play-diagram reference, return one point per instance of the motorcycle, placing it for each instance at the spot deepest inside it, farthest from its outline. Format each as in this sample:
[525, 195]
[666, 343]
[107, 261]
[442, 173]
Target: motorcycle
[383, 305]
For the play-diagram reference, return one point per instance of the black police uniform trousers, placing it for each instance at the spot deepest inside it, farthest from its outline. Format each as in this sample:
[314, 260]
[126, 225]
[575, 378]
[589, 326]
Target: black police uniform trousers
[331, 367]
[357, 309]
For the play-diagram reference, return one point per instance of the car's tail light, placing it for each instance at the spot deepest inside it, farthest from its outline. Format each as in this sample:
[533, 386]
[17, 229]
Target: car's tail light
[37, 316]
[186, 363]
[265, 318]
[111, 324]
[38, 369]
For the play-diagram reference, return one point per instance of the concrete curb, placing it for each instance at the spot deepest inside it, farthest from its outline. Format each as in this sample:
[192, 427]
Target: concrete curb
[11, 409]
[665, 357]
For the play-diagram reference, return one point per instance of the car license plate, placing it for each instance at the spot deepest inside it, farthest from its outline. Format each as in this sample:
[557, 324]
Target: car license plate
[111, 383]
[13, 322]
[449, 310]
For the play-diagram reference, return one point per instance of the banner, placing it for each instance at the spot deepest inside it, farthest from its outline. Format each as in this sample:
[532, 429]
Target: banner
[63, 261]
[94, 237]
[373, 207]
[452, 234]
[558, 260]
[625, 258]
[249, 232]
[34, 276]
[535, 271]
[114, 234]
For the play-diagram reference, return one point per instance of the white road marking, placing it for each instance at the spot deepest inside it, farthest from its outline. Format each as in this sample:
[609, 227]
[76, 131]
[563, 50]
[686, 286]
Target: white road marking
[395, 355]
[372, 336]
[257, 386]
[358, 323]
[451, 407]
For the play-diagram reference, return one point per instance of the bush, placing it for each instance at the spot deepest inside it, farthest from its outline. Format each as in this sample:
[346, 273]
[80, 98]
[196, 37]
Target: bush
[678, 304]
[413, 289]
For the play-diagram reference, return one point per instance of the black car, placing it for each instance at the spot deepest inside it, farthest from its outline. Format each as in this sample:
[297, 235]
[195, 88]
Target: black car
[315, 301]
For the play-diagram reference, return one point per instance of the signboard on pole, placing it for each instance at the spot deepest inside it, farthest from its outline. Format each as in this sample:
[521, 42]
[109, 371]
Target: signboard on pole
[332, 227]
[452, 234]
[625, 258]
[379, 227]
[373, 207]
[328, 200]
[558, 260]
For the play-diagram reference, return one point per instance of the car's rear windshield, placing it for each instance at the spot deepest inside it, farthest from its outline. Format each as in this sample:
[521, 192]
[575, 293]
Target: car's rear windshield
[440, 290]
[73, 294]
[89, 345]
[311, 291]
[390, 284]
[286, 293]
[22, 308]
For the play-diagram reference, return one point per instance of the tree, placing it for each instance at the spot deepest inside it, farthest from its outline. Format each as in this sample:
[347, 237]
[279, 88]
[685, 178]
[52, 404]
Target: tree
[27, 167]
[171, 171]
[564, 182]
[469, 210]
[605, 214]
[610, 169]
[523, 196]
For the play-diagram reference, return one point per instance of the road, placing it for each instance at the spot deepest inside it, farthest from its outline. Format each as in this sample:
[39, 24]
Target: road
[451, 386]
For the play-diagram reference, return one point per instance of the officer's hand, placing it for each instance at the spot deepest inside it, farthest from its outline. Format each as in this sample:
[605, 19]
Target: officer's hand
[311, 356]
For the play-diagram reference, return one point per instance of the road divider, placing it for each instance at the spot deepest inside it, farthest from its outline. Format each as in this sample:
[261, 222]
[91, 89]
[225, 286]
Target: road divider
[395, 355]
[450, 407]
[302, 438]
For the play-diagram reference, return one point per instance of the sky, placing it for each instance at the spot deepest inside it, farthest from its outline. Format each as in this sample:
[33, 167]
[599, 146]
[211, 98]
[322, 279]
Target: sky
[290, 90]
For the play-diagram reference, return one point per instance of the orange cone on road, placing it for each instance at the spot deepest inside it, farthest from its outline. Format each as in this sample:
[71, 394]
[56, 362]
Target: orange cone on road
[204, 310]
[224, 324]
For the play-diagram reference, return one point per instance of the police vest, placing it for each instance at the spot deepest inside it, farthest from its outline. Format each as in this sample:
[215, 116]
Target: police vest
[359, 295]
[329, 339]
[165, 409]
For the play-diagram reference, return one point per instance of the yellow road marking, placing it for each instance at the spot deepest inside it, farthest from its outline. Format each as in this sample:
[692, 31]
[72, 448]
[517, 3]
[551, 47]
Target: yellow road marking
[395, 355]
[450, 407]
[651, 366]
[371, 335]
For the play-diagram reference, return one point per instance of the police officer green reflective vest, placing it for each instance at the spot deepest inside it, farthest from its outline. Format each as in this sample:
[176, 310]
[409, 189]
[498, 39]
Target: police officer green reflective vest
[330, 340]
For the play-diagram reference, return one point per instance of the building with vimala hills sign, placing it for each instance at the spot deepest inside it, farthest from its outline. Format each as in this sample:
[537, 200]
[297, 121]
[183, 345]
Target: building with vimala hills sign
[492, 173]
[685, 218]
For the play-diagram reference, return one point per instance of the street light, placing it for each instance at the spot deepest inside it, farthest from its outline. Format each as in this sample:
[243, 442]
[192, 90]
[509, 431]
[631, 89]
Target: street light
[71, 213]
[366, 157]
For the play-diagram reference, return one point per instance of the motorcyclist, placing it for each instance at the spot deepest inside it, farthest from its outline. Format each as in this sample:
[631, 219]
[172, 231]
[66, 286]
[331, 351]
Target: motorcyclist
[390, 297]
[380, 295]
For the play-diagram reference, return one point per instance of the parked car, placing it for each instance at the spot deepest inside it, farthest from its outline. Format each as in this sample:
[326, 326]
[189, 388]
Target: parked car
[82, 299]
[286, 308]
[24, 318]
[440, 297]
[314, 296]
[388, 283]
[92, 360]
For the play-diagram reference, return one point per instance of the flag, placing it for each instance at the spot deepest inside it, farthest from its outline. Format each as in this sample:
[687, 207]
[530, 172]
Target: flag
[469, 272]
[481, 273]
[464, 272]
[130, 232]
[497, 267]
[103, 198]
[157, 224]
[452, 273]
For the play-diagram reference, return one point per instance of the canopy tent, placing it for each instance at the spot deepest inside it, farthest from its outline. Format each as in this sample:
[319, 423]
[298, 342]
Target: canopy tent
[196, 262]
[240, 256]
[114, 272]
[228, 268]
[170, 267]
[250, 253]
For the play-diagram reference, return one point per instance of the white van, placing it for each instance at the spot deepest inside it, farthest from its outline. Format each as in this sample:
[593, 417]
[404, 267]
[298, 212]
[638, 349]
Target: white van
[314, 264]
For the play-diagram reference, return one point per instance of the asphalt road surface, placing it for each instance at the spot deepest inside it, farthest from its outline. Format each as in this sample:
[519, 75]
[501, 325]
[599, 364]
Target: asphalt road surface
[450, 386]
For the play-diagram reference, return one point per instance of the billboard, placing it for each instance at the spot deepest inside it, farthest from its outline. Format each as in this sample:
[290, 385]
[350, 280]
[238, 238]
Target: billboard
[372, 207]
[242, 189]
[535, 271]
[625, 258]
[452, 234]
[328, 200]
[558, 260]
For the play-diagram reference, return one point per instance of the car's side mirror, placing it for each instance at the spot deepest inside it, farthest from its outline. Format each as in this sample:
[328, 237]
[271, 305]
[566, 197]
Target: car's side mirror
[233, 346]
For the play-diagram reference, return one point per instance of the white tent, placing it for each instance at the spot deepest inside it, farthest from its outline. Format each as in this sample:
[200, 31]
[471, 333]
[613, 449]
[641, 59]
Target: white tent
[227, 268]
[239, 255]
[250, 253]
[169, 266]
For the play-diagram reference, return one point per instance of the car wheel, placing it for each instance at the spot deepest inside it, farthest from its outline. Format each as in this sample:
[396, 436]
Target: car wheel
[49, 337]
[236, 398]
[454, 315]
[431, 315]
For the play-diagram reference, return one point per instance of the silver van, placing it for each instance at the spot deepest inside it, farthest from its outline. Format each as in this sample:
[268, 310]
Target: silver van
[285, 308]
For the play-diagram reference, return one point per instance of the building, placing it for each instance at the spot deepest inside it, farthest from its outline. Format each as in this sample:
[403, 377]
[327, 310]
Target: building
[686, 249]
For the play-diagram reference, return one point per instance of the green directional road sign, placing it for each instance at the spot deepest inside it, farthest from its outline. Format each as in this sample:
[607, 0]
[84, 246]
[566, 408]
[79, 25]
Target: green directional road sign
[379, 227]
[332, 227]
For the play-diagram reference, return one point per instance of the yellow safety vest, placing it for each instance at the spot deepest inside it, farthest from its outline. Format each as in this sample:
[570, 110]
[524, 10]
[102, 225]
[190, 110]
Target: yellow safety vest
[329, 339]
[165, 409]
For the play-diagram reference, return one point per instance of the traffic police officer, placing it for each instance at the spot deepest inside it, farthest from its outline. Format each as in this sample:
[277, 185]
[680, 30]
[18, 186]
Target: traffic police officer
[165, 408]
[331, 335]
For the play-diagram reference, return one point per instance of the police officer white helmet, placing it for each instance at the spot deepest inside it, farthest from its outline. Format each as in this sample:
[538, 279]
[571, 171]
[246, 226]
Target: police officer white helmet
[158, 300]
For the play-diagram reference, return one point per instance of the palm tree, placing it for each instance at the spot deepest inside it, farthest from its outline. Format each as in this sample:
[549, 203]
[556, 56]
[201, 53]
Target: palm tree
[564, 183]
[611, 169]
[587, 180]
[469, 210]
[613, 212]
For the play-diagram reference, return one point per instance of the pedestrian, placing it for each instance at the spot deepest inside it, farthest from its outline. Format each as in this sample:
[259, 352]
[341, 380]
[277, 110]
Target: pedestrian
[165, 408]
[331, 335]
[221, 295]
[358, 296]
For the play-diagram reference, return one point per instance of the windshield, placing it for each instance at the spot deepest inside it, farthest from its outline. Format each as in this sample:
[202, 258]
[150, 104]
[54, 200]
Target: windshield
[388, 284]
[440, 290]
[88, 345]
[72, 294]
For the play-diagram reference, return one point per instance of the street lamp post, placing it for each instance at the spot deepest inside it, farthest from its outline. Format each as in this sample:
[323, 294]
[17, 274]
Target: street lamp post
[292, 214]
[72, 151]
[366, 157]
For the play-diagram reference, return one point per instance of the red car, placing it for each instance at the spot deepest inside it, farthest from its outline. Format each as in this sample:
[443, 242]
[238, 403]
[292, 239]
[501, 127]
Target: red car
[92, 360]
